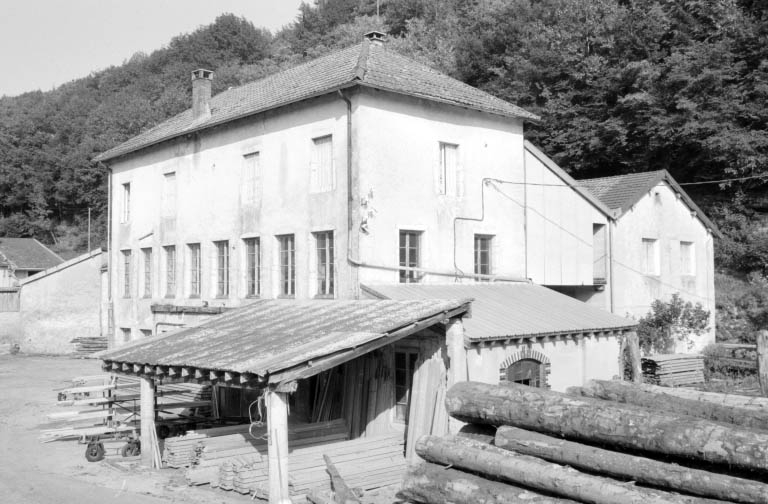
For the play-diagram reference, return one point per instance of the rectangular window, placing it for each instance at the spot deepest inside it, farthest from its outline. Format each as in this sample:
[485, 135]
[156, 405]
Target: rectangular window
[251, 179]
[483, 253]
[410, 256]
[222, 268]
[126, 273]
[599, 259]
[170, 271]
[687, 258]
[321, 177]
[169, 195]
[146, 254]
[651, 260]
[194, 269]
[405, 365]
[252, 267]
[146, 333]
[447, 179]
[126, 334]
[287, 265]
[126, 214]
[325, 272]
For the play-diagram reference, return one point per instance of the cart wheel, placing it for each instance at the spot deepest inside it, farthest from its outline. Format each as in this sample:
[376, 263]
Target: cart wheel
[94, 452]
[130, 449]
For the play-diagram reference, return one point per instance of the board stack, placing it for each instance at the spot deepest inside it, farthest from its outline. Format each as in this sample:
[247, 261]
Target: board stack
[86, 346]
[673, 370]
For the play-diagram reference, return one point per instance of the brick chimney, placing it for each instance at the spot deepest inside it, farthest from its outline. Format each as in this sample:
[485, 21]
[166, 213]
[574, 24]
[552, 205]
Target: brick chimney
[201, 93]
[375, 37]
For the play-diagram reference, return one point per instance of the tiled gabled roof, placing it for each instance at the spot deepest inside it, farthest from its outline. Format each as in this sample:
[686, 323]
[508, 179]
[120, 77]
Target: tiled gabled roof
[27, 254]
[366, 64]
[621, 192]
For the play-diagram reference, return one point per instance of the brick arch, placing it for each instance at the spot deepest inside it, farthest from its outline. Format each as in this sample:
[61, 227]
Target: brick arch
[527, 353]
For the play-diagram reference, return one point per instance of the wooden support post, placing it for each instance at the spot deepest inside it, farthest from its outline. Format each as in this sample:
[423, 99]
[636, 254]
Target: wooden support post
[762, 361]
[147, 389]
[277, 450]
[457, 363]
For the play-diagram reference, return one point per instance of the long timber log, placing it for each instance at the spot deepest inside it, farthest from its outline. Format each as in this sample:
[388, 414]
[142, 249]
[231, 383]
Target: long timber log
[604, 422]
[658, 399]
[538, 474]
[639, 469]
[432, 484]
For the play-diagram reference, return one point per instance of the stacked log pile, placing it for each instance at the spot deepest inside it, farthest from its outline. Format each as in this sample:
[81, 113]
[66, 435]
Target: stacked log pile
[673, 369]
[624, 447]
[86, 346]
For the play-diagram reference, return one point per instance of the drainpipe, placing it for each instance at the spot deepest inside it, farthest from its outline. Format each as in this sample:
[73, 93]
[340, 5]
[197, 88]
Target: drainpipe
[354, 275]
[525, 213]
[110, 309]
[611, 224]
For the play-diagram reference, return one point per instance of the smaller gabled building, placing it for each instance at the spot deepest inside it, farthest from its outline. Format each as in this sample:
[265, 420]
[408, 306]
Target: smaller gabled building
[661, 243]
[23, 257]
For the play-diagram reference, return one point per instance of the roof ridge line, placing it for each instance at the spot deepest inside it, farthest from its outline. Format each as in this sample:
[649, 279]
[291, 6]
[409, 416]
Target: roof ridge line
[362, 61]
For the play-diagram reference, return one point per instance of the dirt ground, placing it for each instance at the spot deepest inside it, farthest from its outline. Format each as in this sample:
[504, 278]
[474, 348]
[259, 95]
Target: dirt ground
[41, 473]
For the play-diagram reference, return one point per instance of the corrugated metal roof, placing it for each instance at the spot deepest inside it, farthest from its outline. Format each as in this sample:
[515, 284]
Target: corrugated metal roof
[271, 335]
[27, 254]
[620, 192]
[506, 310]
[364, 64]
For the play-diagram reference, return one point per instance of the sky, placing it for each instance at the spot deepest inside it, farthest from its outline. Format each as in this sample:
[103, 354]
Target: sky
[45, 43]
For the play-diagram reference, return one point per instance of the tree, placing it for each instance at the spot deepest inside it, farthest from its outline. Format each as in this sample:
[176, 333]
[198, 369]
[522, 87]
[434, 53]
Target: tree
[669, 322]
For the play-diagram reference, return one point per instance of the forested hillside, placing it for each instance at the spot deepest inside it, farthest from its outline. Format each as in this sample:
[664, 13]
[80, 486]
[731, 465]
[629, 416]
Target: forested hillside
[621, 86]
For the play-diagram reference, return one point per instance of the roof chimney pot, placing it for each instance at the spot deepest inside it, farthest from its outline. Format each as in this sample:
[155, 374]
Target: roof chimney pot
[375, 37]
[201, 93]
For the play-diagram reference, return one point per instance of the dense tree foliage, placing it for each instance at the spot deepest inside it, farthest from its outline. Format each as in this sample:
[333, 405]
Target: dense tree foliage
[620, 85]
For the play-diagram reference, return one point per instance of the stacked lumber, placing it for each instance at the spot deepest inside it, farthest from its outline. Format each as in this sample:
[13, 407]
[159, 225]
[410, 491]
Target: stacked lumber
[673, 370]
[85, 346]
[246, 444]
[365, 463]
[181, 451]
[555, 447]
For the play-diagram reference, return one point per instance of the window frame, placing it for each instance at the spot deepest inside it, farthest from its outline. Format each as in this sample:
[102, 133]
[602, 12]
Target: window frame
[127, 334]
[169, 195]
[651, 267]
[409, 235]
[488, 239]
[170, 271]
[322, 177]
[447, 177]
[286, 265]
[691, 258]
[325, 263]
[126, 272]
[195, 269]
[125, 214]
[222, 266]
[251, 178]
[411, 360]
[252, 247]
[147, 257]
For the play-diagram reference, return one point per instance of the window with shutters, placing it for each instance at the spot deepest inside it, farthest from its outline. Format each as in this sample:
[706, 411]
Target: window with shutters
[651, 259]
[125, 216]
[169, 195]
[599, 255]
[251, 179]
[687, 258]
[448, 174]
[321, 176]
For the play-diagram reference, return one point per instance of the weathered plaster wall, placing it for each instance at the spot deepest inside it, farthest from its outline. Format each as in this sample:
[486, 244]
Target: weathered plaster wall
[572, 362]
[210, 207]
[60, 306]
[662, 216]
[10, 327]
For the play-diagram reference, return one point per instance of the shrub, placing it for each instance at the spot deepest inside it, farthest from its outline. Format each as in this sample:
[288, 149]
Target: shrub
[671, 321]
